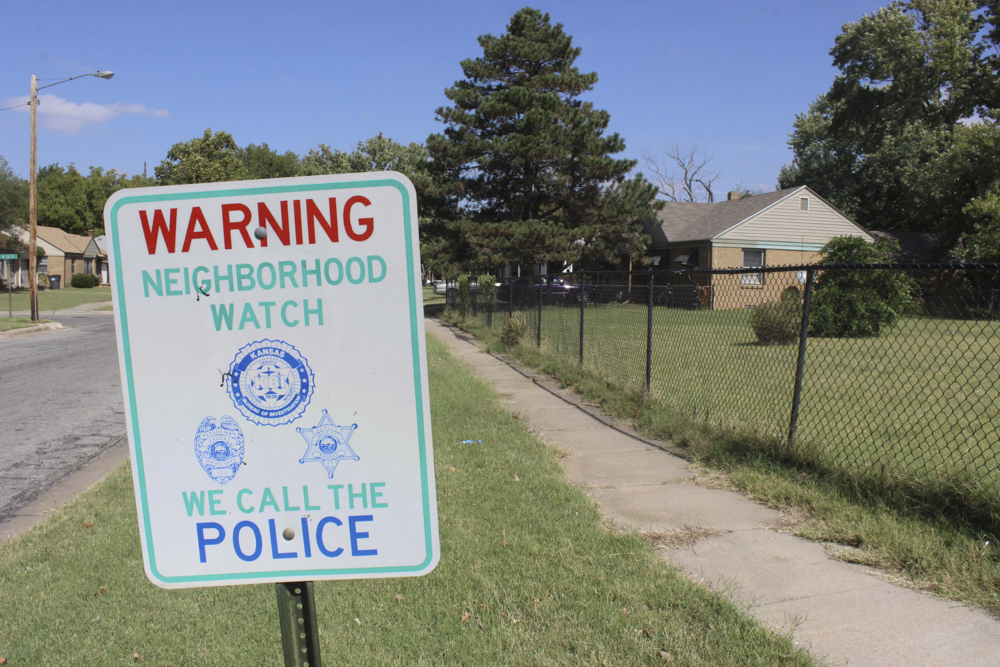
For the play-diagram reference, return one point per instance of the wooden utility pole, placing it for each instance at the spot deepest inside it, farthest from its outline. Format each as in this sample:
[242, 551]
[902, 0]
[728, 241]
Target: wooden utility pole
[32, 201]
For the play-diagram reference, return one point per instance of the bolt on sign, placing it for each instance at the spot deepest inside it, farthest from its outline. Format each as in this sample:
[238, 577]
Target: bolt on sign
[271, 344]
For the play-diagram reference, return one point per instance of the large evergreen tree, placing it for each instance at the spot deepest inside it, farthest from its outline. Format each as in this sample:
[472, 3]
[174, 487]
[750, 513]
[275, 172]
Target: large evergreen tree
[524, 164]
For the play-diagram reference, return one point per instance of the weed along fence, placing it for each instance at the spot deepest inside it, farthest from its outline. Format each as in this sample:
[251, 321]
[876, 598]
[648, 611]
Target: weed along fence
[885, 369]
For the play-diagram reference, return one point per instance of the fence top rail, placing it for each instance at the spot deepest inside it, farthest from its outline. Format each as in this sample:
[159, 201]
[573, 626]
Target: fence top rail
[807, 267]
[994, 266]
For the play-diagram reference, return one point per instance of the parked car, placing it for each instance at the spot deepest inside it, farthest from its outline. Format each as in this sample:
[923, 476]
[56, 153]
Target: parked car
[554, 289]
[450, 288]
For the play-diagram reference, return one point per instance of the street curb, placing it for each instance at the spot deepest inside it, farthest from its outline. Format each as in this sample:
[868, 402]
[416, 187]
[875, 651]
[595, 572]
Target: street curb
[27, 331]
[70, 487]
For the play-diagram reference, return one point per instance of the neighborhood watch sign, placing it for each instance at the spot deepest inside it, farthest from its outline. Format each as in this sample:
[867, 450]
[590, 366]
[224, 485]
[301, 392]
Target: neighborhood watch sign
[271, 344]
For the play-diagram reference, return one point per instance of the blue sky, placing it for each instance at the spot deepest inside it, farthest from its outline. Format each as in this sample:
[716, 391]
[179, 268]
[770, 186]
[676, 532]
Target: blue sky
[728, 75]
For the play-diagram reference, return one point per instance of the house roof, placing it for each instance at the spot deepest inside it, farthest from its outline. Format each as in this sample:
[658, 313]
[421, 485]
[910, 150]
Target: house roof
[71, 243]
[694, 221]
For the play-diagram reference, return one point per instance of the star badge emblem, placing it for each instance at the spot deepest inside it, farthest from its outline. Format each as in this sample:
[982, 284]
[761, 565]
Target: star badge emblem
[328, 444]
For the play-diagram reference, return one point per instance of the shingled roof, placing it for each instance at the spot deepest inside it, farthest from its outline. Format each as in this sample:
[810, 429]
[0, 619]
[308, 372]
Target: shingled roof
[688, 221]
[71, 243]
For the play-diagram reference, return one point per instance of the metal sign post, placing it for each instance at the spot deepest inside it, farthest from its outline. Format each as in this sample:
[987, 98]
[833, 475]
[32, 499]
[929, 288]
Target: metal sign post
[10, 257]
[271, 346]
[299, 627]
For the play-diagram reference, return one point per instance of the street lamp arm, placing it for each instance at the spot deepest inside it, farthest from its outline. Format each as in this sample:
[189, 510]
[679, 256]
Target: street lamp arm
[99, 75]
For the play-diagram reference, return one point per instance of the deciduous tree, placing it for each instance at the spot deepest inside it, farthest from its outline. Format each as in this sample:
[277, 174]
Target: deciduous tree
[682, 174]
[890, 141]
[207, 159]
[13, 204]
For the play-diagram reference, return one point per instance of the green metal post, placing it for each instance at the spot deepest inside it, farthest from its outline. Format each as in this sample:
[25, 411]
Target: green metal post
[299, 630]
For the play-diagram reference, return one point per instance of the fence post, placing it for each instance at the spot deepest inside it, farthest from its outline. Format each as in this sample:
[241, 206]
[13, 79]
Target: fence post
[800, 364]
[538, 337]
[649, 332]
[510, 297]
[583, 301]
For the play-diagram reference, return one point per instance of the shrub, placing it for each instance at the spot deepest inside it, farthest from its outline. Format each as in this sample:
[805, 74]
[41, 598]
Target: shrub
[852, 303]
[487, 289]
[83, 280]
[463, 295]
[43, 280]
[778, 322]
[514, 330]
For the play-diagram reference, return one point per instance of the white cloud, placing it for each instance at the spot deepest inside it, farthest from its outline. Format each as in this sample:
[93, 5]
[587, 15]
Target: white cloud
[55, 113]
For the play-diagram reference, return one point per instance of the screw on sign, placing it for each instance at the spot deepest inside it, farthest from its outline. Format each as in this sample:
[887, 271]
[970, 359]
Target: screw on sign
[312, 459]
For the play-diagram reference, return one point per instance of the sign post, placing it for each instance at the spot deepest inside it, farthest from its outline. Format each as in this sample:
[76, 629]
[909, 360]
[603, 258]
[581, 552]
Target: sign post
[10, 257]
[271, 345]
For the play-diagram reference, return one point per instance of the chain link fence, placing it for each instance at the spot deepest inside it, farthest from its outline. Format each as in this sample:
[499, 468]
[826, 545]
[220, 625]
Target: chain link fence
[892, 369]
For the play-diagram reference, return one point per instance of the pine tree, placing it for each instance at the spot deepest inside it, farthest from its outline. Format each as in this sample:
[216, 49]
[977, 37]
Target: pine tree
[526, 163]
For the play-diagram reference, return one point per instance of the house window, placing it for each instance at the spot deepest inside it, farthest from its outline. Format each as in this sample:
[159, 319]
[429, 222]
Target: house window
[804, 203]
[43, 265]
[752, 259]
[88, 267]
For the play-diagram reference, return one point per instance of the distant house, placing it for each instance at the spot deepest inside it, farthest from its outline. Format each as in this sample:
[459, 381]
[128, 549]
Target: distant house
[65, 254]
[785, 227]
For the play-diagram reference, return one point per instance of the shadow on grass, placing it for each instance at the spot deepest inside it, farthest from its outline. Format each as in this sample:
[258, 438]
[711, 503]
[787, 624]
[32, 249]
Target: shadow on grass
[936, 530]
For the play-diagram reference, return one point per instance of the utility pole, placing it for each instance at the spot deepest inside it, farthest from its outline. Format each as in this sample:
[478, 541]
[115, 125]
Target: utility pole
[32, 201]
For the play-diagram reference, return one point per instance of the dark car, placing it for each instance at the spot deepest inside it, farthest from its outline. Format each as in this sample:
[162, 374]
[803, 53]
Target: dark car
[553, 289]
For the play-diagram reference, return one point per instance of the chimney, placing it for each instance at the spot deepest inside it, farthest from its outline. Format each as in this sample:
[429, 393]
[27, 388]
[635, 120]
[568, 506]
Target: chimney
[733, 195]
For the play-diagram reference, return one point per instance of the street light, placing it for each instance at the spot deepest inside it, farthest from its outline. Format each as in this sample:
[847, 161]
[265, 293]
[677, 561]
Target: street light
[33, 168]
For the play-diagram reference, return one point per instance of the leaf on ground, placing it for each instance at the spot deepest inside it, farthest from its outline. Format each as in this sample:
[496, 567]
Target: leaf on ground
[89, 524]
[516, 478]
[451, 469]
[137, 657]
[100, 592]
[399, 598]
[466, 616]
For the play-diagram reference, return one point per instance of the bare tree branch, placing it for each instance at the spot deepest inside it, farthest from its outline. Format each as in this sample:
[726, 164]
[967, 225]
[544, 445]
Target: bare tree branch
[692, 183]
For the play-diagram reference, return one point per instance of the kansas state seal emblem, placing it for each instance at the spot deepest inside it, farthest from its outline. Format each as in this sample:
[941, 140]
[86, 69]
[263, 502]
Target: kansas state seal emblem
[219, 448]
[270, 382]
[328, 444]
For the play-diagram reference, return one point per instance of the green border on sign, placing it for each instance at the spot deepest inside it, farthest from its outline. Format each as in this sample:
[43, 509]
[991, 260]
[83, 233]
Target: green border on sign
[414, 343]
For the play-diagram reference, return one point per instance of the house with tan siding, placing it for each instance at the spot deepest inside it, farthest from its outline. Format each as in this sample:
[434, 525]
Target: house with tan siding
[781, 228]
[65, 254]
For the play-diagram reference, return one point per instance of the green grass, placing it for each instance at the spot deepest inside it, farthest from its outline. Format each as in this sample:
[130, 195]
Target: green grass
[939, 541]
[8, 323]
[430, 298]
[921, 401]
[103, 309]
[529, 574]
[59, 299]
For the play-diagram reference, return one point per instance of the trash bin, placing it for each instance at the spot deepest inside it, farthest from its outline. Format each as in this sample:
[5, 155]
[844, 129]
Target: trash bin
[54, 282]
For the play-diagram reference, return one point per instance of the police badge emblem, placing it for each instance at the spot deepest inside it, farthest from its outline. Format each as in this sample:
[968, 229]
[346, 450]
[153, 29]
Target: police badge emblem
[270, 382]
[219, 448]
[328, 444]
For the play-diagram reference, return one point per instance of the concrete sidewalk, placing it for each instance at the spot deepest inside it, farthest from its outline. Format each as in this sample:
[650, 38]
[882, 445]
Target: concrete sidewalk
[843, 614]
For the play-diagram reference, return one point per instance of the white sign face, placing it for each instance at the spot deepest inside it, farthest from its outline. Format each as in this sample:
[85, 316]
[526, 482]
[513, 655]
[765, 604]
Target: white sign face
[276, 380]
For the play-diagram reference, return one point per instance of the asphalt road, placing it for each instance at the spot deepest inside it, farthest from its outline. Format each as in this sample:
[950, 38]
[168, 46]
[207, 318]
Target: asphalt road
[60, 404]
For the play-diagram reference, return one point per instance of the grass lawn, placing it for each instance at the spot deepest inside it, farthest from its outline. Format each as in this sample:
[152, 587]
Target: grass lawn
[8, 323]
[941, 538]
[431, 298]
[59, 299]
[529, 574]
[922, 399]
